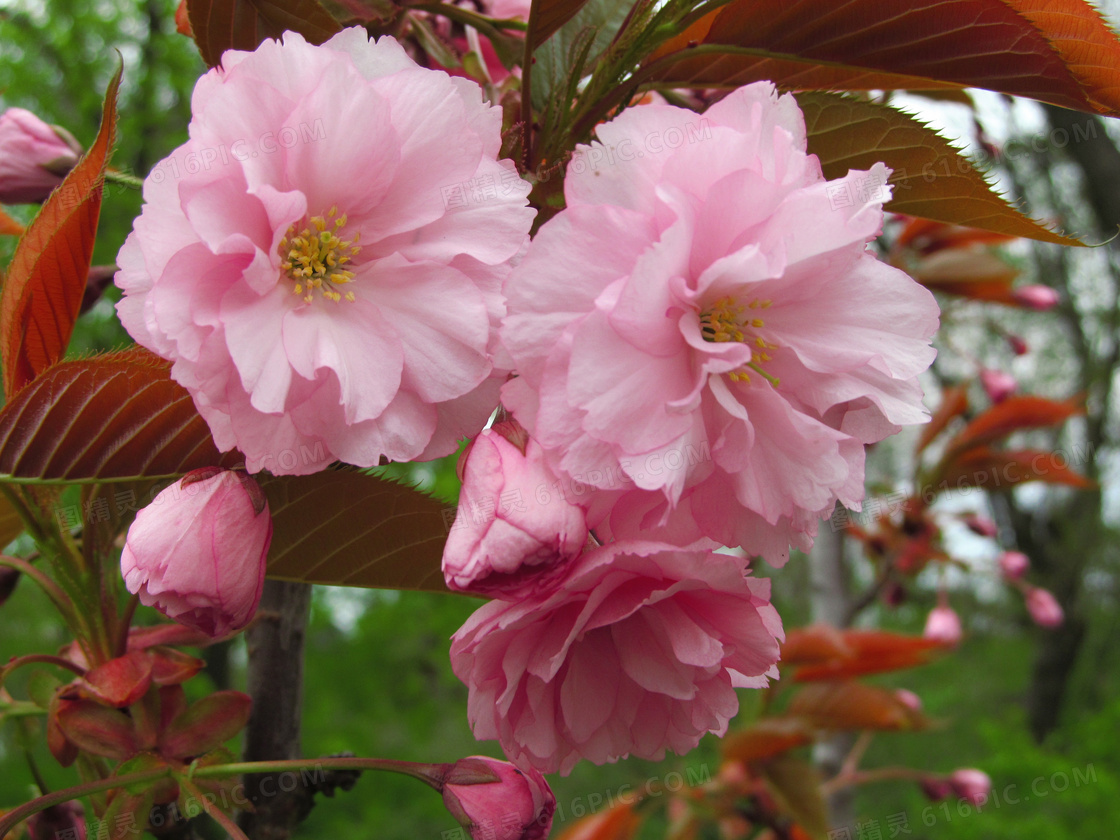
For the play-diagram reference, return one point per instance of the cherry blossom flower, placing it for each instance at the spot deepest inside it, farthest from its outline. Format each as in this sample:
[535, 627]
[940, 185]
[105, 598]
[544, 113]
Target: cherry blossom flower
[637, 650]
[323, 258]
[707, 299]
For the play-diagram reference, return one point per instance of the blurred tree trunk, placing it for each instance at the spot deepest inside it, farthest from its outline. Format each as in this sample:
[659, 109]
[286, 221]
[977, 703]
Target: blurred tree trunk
[831, 604]
[1065, 539]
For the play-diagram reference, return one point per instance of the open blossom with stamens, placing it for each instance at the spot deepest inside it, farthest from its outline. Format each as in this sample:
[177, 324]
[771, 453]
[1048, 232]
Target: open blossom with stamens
[704, 319]
[323, 258]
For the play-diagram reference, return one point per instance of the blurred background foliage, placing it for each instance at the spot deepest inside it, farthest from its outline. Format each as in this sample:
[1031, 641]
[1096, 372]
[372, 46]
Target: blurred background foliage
[378, 680]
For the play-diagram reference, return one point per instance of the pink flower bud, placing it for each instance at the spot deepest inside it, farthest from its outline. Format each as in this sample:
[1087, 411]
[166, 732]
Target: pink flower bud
[982, 526]
[34, 157]
[1039, 298]
[971, 785]
[1014, 564]
[943, 625]
[998, 384]
[514, 529]
[1018, 345]
[1044, 607]
[908, 699]
[66, 820]
[493, 799]
[197, 552]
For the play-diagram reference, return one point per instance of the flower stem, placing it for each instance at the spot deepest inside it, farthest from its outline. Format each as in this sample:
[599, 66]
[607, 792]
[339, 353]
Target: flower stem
[131, 181]
[217, 814]
[431, 774]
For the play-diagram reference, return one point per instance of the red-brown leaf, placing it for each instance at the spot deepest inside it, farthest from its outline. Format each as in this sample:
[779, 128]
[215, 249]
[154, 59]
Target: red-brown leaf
[207, 724]
[1012, 415]
[47, 278]
[954, 402]
[825, 653]
[347, 528]
[1058, 51]
[838, 706]
[98, 729]
[549, 15]
[993, 469]
[119, 682]
[117, 415]
[767, 738]
[220, 25]
[9, 226]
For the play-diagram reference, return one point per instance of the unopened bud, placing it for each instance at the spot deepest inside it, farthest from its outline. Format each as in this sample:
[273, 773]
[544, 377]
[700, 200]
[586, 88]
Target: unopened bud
[1038, 298]
[1014, 564]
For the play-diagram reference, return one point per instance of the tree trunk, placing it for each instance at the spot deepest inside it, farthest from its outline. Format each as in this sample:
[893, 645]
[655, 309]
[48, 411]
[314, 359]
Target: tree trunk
[830, 604]
[275, 682]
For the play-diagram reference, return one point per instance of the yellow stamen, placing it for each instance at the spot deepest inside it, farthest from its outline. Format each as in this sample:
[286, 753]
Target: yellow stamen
[724, 322]
[314, 258]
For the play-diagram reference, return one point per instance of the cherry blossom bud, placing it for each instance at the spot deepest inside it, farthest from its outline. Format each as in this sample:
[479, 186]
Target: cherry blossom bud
[982, 526]
[197, 552]
[908, 699]
[34, 157]
[998, 384]
[1044, 607]
[514, 529]
[1018, 346]
[493, 799]
[1014, 564]
[971, 785]
[65, 820]
[943, 625]
[1038, 298]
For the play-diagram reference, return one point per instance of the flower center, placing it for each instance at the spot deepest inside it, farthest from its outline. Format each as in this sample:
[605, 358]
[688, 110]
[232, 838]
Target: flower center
[727, 320]
[314, 258]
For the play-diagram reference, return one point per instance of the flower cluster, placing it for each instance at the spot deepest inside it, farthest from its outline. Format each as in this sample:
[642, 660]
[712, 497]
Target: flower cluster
[695, 353]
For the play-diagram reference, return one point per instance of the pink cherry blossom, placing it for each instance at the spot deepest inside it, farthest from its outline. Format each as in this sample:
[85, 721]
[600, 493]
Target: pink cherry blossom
[1038, 298]
[637, 650]
[514, 529]
[496, 801]
[705, 319]
[323, 258]
[971, 785]
[1044, 607]
[197, 552]
[1014, 564]
[998, 384]
[943, 625]
[34, 157]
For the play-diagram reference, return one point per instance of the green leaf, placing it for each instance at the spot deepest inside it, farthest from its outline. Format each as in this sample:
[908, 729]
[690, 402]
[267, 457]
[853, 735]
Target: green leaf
[221, 25]
[114, 416]
[349, 528]
[931, 178]
[47, 278]
[560, 62]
